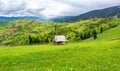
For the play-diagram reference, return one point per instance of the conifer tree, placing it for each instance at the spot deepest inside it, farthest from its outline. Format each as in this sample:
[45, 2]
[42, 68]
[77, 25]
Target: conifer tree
[94, 34]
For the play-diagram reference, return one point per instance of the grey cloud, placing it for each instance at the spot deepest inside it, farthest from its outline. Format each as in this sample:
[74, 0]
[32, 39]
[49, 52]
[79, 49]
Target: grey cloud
[13, 8]
[36, 12]
[90, 3]
[8, 9]
[85, 6]
[48, 7]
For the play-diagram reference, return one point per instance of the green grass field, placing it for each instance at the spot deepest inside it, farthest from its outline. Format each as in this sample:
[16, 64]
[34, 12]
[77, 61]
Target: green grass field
[93, 56]
[102, 54]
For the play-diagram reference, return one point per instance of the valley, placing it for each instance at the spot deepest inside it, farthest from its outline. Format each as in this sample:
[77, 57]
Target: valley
[59, 35]
[101, 54]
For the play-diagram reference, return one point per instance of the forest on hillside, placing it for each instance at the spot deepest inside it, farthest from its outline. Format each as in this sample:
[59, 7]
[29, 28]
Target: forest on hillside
[24, 32]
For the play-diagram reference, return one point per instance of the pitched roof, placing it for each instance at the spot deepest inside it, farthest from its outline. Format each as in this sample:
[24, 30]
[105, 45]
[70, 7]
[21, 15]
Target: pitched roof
[60, 38]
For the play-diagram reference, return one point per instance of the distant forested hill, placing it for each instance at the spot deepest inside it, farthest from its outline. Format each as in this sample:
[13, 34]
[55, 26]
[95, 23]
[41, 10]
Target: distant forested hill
[102, 13]
[3, 18]
[22, 32]
[2, 22]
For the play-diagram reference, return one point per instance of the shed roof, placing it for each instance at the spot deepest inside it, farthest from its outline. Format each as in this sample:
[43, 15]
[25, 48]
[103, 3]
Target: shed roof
[60, 38]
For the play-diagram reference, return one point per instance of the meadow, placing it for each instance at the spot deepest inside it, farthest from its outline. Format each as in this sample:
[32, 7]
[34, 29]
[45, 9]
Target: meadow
[82, 56]
[102, 54]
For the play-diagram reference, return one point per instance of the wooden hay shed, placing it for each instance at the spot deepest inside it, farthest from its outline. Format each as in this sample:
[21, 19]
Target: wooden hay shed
[60, 39]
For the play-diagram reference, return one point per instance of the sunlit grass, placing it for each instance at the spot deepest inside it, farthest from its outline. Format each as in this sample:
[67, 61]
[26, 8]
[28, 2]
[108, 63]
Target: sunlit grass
[102, 54]
[90, 56]
[111, 34]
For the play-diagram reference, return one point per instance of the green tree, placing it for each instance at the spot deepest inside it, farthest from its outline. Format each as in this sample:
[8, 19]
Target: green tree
[101, 30]
[94, 34]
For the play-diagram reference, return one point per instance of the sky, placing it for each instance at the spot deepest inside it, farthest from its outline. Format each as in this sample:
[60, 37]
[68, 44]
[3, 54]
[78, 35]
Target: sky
[52, 8]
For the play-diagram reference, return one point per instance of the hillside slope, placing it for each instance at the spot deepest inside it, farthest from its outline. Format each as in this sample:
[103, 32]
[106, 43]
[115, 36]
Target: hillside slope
[100, 13]
[23, 32]
[112, 34]
[84, 56]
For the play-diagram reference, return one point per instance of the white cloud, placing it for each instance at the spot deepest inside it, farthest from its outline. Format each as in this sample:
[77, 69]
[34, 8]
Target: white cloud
[55, 8]
[51, 8]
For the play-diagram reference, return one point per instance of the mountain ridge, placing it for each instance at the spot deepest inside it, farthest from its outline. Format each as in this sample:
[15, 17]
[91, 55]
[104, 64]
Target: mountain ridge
[21, 17]
[100, 13]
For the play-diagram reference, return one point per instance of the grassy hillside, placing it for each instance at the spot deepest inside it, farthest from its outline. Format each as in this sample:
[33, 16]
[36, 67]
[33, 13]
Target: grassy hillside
[92, 56]
[83, 56]
[112, 34]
